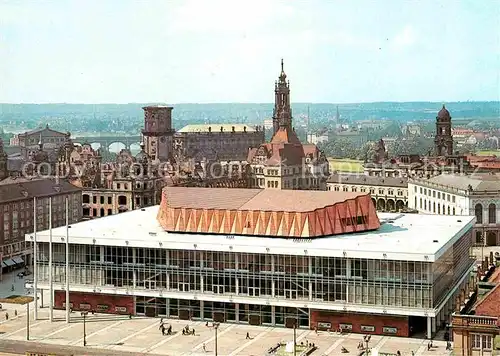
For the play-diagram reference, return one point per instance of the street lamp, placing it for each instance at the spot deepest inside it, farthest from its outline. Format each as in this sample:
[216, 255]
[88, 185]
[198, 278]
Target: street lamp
[84, 314]
[27, 321]
[216, 326]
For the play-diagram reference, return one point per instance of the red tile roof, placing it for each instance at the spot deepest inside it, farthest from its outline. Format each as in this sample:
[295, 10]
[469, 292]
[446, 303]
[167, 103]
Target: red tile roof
[269, 212]
[490, 304]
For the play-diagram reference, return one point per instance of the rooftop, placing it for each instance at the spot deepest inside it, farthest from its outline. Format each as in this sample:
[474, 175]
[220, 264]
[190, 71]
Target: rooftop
[13, 189]
[254, 199]
[205, 128]
[401, 237]
[476, 182]
[357, 179]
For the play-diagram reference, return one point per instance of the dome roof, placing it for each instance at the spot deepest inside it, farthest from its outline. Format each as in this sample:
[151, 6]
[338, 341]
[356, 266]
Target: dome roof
[444, 114]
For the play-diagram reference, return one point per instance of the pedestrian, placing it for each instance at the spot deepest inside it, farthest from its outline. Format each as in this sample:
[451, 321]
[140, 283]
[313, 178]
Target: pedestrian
[248, 336]
[6, 316]
[398, 353]
[204, 347]
[192, 330]
[163, 330]
[15, 312]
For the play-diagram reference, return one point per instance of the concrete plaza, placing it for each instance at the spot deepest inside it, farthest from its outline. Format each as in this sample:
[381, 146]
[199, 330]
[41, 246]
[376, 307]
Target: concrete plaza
[115, 335]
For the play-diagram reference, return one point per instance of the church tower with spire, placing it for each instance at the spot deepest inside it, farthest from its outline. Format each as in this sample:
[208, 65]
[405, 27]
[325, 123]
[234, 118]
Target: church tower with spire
[282, 113]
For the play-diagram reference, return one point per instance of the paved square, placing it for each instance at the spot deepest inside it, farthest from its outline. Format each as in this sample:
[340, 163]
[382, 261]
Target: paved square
[143, 336]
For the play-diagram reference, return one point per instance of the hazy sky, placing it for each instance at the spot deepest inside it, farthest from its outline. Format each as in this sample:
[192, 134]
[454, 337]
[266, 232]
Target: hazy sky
[229, 51]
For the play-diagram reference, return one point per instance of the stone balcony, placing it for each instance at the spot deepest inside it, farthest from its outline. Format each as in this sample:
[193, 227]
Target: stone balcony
[475, 322]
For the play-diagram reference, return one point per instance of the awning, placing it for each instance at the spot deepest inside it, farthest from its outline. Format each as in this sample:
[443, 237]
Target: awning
[8, 262]
[18, 259]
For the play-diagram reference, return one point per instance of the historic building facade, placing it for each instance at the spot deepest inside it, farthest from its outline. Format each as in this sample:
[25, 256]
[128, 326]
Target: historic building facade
[217, 142]
[30, 141]
[389, 194]
[17, 214]
[284, 162]
[447, 194]
[158, 132]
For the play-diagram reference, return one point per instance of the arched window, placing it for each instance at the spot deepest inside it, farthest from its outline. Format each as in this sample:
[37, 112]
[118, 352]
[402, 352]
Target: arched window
[439, 208]
[448, 210]
[420, 203]
[425, 204]
[434, 207]
[478, 211]
[453, 211]
[492, 214]
[415, 206]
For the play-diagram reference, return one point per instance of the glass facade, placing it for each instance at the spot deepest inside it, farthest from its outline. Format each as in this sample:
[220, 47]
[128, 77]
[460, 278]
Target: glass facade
[391, 283]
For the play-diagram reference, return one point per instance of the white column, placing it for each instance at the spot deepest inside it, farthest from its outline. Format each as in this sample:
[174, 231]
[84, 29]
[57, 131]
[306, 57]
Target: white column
[429, 327]
[273, 315]
[51, 285]
[35, 264]
[433, 325]
[67, 263]
[310, 291]
[237, 282]
[237, 312]
[168, 273]
[134, 261]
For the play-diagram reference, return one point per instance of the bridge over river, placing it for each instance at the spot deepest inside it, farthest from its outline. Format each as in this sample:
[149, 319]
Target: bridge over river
[107, 141]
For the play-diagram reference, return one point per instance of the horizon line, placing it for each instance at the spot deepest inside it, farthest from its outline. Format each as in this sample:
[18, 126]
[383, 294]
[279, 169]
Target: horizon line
[253, 103]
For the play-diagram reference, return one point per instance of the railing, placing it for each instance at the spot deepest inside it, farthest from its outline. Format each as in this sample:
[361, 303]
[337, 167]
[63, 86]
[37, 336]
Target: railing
[474, 320]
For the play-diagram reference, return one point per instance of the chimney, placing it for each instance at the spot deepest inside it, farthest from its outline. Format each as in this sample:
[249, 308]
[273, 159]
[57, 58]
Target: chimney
[233, 129]
[210, 129]
[244, 129]
[221, 128]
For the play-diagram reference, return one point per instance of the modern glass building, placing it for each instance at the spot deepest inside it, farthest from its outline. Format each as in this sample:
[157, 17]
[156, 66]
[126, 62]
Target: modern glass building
[400, 279]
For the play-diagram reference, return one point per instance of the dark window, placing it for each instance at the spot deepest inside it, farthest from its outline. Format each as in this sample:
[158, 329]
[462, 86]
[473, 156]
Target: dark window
[94, 200]
[122, 200]
[86, 199]
[492, 214]
[478, 211]
[109, 200]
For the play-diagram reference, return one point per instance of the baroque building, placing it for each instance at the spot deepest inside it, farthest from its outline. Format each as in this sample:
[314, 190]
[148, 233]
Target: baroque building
[284, 162]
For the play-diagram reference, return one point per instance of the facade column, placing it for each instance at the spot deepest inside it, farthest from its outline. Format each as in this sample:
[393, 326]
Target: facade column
[273, 286]
[134, 273]
[202, 310]
[433, 321]
[167, 304]
[273, 315]
[237, 312]
[237, 280]
[168, 273]
[429, 327]
[310, 291]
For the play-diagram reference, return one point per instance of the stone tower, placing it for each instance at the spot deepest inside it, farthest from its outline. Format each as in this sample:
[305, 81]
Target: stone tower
[282, 113]
[158, 132]
[3, 162]
[443, 142]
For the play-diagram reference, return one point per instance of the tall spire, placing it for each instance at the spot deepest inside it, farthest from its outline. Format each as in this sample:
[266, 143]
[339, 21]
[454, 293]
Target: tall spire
[282, 66]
